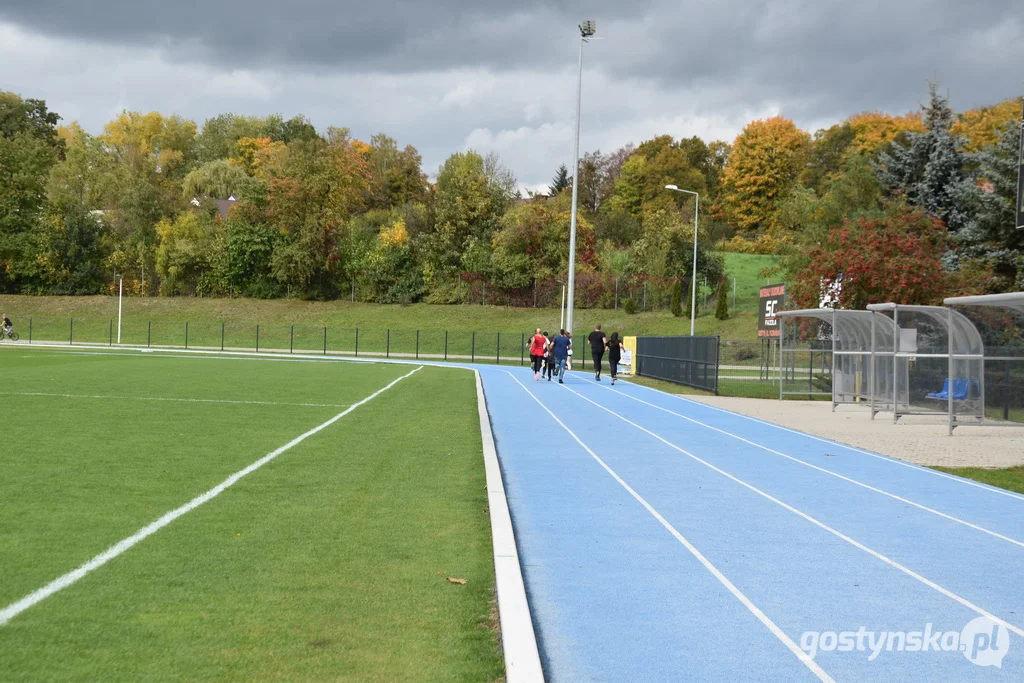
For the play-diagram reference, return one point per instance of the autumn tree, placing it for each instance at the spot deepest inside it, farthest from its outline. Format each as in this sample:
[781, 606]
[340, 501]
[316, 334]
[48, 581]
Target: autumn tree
[217, 179]
[397, 174]
[185, 252]
[982, 128]
[897, 258]
[763, 165]
[875, 131]
[472, 194]
[532, 243]
[826, 154]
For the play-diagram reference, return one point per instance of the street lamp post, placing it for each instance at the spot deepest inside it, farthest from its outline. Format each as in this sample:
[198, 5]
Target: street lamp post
[587, 30]
[693, 278]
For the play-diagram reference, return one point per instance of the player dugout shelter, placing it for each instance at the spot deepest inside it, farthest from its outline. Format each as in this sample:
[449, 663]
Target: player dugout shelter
[854, 348]
[910, 360]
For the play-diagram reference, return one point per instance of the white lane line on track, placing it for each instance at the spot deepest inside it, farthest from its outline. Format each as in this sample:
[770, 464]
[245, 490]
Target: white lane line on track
[830, 442]
[822, 469]
[60, 583]
[838, 534]
[183, 400]
[736, 592]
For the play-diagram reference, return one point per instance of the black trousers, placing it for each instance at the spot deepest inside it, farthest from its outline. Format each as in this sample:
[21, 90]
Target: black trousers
[597, 356]
[536, 360]
[613, 365]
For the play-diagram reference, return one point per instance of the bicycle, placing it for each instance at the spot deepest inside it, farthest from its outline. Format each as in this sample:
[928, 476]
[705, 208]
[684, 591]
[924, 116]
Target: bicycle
[9, 334]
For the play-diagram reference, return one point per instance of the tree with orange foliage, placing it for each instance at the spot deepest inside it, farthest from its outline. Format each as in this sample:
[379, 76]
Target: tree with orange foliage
[982, 127]
[764, 163]
[873, 131]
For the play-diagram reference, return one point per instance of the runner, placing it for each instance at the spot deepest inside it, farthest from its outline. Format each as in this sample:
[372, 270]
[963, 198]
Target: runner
[614, 355]
[538, 343]
[560, 349]
[598, 342]
[549, 358]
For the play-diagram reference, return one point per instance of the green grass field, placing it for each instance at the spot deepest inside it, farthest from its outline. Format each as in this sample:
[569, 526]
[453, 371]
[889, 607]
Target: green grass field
[329, 562]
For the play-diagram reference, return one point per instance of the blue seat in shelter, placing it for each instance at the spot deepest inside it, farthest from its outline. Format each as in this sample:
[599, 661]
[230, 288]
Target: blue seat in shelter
[943, 393]
[963, 389]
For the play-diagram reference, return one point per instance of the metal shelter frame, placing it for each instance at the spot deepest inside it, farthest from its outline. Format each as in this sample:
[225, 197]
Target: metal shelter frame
[856, 338]
[1013, 301]
[965, 350]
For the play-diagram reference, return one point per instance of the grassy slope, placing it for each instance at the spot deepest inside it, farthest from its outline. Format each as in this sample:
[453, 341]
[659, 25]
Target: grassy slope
[329, 562]
[54, 311]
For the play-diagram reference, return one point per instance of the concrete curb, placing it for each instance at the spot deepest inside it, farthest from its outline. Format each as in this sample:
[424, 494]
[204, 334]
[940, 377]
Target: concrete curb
[518, 640]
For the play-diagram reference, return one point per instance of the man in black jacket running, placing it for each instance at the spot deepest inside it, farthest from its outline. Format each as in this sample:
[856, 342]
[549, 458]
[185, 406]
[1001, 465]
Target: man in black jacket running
[598, 342]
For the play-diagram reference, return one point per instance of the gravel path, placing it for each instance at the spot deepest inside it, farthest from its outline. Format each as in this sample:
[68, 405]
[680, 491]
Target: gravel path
[921, 440]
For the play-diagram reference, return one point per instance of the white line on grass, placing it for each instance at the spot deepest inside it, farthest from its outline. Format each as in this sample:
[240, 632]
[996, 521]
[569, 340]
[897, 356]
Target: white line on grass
[838, 534]
[184, 400]
[885, 458]
[822, 469]
[736, 592]
[215, 355]
[16, 608]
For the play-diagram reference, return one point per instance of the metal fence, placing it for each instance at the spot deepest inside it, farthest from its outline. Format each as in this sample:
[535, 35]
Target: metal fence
[691, 361]
[729, 368]
[507, 347]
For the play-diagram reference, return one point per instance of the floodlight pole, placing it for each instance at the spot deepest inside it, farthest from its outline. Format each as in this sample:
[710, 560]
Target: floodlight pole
[120, 294]
[561, 319]
[693, 279]
[587, 29]
[1020, 174]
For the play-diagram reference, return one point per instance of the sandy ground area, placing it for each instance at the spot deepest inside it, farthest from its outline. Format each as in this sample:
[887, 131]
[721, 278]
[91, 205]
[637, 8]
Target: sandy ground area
[921, 440]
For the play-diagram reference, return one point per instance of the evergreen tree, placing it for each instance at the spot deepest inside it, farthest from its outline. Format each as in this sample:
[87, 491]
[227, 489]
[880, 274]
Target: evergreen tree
[991, 234]
[677, 299]
[560, 181]
[722, 305]
[929, 169]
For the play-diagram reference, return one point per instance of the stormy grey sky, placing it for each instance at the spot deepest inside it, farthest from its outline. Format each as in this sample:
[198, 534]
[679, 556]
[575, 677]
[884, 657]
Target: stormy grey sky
[446, 75]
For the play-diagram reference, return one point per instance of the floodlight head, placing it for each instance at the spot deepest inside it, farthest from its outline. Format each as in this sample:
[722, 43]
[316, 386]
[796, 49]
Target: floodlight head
[671, 187]
[588, 28]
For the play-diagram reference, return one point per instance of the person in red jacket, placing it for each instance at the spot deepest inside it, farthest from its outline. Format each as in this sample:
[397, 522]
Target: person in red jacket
[538, 343]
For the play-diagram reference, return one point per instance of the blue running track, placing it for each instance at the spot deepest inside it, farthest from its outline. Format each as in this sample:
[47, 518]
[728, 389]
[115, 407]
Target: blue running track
[665, 540]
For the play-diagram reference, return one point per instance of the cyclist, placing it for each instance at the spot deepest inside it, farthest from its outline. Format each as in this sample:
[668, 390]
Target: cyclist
[8, 327]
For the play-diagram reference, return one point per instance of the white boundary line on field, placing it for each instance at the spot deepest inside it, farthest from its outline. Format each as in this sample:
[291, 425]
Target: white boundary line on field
[818, 523]
[167, 398]
[202, 354]
[518, 639]
[851, 480]
[60, 583]
[837, 444]
[722, 578]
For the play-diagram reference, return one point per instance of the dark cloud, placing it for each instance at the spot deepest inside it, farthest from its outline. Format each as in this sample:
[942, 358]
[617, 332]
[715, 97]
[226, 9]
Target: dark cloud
[817, 58]
[441, 74]
[386, 36]
[826, 58]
